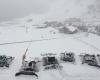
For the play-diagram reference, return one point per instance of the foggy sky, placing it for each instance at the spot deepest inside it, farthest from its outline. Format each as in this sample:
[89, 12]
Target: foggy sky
[12, 9]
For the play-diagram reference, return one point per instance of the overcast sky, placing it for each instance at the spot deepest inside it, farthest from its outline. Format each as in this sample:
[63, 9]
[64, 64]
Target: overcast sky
[11, 9]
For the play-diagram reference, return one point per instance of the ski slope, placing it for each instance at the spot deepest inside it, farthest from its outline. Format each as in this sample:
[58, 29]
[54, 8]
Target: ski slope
[56, 43]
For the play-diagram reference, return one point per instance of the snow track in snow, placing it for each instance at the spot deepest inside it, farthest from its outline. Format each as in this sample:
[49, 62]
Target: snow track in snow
[62, 43]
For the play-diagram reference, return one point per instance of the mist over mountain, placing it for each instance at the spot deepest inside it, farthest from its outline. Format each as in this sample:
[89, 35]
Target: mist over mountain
[49, 9]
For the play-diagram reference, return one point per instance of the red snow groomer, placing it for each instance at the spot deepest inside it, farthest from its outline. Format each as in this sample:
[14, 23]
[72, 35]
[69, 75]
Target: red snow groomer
[50, 61]
[67, 57]
[28, 68]
[89, 59]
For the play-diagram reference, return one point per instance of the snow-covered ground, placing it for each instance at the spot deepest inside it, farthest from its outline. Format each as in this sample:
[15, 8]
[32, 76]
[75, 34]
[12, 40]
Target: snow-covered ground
[56, 43]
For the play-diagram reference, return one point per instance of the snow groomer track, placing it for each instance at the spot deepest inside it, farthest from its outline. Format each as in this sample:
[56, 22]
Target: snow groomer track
[50, 44]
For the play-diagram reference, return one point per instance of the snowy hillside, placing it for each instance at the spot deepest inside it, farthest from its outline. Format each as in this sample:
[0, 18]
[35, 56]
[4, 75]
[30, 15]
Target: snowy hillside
[44, 40]
[50, 26]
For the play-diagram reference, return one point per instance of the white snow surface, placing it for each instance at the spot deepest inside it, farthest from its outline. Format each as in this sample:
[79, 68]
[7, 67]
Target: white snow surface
[62, 43]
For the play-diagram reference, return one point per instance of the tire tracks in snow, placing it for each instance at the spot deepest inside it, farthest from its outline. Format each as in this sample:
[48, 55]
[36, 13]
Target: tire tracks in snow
[86, 43]
[28, 41]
